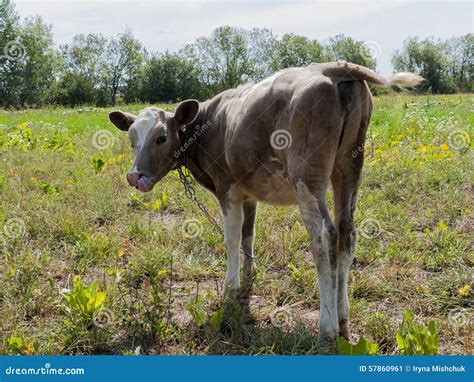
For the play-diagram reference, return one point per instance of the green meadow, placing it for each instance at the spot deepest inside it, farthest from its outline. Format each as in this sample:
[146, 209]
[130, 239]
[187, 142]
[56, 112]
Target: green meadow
[88, 265]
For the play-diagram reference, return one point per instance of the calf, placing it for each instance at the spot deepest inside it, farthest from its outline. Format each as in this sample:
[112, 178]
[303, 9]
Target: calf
[280, 141]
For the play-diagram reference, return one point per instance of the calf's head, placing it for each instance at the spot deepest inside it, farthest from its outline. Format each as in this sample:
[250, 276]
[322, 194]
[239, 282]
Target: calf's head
[154, 135]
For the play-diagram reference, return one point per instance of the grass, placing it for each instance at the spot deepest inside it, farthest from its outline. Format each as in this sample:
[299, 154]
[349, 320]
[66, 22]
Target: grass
[65, 211]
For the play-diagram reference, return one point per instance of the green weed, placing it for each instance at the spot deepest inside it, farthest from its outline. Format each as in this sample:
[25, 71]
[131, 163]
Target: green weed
[416, 339]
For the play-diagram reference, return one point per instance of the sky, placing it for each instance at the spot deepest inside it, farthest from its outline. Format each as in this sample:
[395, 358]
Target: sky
[169, 25]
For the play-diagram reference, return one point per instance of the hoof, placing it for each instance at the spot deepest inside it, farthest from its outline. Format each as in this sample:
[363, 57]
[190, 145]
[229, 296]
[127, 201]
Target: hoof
[326, 339]
[231, 286]
[344, 329]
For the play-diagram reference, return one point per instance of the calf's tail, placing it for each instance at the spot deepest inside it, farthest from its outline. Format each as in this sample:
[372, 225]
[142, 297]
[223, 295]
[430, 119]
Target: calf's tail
[346, 71]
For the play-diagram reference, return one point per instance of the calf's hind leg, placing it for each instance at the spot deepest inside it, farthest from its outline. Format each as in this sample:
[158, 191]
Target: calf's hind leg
[323, 237]
[345, 181]
[344, 204]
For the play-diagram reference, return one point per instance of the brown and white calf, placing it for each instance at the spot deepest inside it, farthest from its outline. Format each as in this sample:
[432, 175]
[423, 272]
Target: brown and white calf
[280, 141]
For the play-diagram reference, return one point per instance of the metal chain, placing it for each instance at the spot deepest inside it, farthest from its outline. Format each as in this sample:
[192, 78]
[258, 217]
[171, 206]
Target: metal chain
[190, 192]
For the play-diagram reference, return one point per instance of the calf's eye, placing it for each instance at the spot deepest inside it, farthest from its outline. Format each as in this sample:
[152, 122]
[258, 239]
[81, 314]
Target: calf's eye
[161, 139]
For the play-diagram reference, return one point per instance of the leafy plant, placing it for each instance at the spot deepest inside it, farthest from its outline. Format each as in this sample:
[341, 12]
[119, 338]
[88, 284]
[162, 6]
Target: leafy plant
[196, 308]
[201, 316]
[297, 277]
[159, 204]
[58, 141]
[296, 273]
[412, 339]
[416, 339]
[83, 301]
[18, 346]
[22, 137]
[46, 187]
[363, 347]
[98, 164]
[215, 320]
[464, 291]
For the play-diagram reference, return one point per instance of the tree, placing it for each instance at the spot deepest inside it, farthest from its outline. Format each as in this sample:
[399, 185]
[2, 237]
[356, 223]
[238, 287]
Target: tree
[8, 22]
[347, 49]
[40, 62]
[428, 59]
[460, 61]
[232, 56]
[27, 61]
[122, 68]
[260, 47]
[171, 77]
[82, 76]
[9, 63]
[295, 51]
[86, 56]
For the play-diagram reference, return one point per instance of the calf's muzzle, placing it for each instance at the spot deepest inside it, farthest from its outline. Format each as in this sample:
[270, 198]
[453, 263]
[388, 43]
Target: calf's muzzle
[139, 181]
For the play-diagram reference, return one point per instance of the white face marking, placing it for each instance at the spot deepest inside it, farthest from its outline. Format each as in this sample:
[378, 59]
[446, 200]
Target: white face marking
[146, 120]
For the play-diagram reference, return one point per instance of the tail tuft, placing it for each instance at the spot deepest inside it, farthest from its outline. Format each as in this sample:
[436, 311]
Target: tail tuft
[346, 71]
[404, 79]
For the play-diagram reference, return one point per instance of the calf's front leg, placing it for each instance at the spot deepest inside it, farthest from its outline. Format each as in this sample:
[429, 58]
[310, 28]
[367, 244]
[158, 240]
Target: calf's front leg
[233, 219]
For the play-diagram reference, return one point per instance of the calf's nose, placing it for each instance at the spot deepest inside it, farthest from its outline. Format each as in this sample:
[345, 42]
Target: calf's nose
[133, 177]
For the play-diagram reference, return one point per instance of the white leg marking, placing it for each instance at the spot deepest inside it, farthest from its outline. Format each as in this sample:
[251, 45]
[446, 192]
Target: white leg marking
[317, 228]
[233, 220]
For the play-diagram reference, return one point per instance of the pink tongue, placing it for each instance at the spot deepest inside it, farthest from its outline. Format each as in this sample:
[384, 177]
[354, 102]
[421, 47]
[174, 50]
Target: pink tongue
[144, 184]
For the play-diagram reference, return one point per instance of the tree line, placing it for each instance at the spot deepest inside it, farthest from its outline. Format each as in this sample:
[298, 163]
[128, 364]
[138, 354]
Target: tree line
[94, 70]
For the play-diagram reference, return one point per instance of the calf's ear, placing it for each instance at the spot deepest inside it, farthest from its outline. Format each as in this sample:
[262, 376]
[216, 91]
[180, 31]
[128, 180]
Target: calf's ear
[186, 112]
[122, 120]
